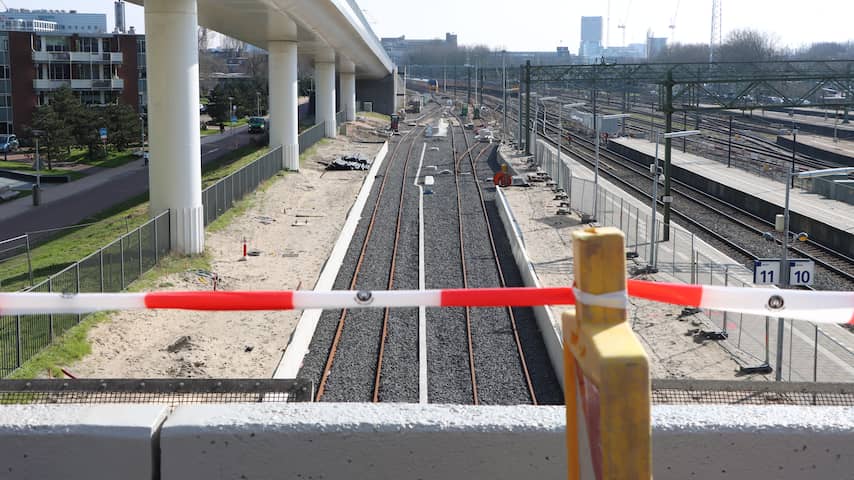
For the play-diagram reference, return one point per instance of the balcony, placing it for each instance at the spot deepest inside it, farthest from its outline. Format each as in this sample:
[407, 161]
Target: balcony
[108, 84]
[78, 57]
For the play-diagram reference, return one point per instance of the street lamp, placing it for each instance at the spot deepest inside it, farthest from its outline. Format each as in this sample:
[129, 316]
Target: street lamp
[38, 185]
[784, 264]
[653, 256]
[596, 127]
[258, 103]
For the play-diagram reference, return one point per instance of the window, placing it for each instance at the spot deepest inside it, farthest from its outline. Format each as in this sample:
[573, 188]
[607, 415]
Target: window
[56, 44]
[5, 101]
[4, 72]
[88, 44]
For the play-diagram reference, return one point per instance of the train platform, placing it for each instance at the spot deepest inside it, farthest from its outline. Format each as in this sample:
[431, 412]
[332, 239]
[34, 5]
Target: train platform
[830, 212]
[840, 151]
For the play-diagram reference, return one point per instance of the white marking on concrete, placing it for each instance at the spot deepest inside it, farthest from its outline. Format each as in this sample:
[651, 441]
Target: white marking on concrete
[422, 284]
[301, 338]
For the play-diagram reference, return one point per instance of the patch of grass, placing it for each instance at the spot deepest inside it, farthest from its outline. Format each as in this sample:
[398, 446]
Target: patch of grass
[209, 132]
[74, 244]
[27, 168]
[111, 160]
[74, 344]
[231, 162]
[69, 347]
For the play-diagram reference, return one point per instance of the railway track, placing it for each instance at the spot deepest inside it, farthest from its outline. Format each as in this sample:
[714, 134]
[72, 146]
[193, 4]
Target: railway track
[735, 231]
[473, 356]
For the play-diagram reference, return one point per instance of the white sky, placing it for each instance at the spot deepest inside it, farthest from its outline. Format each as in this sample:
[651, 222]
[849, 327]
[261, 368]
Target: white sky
[544, 24]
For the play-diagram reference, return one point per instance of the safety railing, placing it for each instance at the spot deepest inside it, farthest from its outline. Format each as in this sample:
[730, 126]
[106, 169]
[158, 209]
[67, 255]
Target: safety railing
[810, 352]
[110, 269]
[311, 135]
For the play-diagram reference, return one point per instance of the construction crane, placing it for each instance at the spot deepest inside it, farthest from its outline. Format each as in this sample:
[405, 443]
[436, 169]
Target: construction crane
[622, 24]
[672, 25]
[716, 29]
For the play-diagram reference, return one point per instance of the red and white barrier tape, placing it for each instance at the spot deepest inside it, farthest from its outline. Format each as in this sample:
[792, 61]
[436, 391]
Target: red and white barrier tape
[818, 307]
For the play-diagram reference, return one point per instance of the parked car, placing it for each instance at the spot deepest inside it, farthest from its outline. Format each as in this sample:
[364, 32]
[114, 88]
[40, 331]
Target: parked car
[8, 143]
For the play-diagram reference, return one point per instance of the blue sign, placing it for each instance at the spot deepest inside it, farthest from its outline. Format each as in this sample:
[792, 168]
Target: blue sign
[103, 132]
[234, 119]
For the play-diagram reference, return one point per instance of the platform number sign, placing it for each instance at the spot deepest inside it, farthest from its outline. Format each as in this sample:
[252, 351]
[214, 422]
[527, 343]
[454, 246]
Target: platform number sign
[801, 272]
[766, 272]
[102, 132]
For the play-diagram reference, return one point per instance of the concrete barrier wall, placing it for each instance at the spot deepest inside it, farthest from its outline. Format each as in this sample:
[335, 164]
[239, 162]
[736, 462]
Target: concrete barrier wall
[545, 320]
[83, 442]
[327, 440]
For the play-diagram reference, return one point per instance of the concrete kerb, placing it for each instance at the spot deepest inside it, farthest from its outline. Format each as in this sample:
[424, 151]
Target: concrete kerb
[545, 320]
[301, 337]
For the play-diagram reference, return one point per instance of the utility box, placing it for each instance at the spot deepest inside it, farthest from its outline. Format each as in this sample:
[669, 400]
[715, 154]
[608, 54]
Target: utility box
[395, 123]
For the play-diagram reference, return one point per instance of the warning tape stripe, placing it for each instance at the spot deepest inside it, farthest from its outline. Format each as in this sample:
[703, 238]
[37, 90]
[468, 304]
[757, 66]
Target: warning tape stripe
[818, 307]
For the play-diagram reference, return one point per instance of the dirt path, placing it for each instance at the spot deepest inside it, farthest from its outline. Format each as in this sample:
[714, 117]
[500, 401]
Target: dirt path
[294, 224]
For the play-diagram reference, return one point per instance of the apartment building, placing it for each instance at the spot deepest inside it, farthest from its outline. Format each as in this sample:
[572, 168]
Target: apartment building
[101, 68]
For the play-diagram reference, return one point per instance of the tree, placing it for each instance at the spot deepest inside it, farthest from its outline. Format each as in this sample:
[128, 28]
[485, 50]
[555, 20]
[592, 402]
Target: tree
[57, 136]
[123, 124]
[86, 130]
[684, 53]
[747, 46]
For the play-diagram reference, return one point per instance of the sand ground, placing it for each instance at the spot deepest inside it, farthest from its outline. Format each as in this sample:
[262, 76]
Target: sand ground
[293, 224]
[663, 329]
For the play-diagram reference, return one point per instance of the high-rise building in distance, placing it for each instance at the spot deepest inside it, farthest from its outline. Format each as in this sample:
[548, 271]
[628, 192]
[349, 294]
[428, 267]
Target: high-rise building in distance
[591, 37]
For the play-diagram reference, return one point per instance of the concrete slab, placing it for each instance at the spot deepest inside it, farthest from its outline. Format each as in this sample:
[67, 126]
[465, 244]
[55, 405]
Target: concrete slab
[830, 212]
[327, 440]
[79, 441]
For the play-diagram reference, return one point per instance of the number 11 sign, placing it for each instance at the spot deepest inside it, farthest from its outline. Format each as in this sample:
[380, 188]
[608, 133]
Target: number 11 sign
[766, 272]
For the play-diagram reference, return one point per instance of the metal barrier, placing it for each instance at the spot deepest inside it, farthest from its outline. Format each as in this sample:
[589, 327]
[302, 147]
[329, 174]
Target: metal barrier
[340, 117]
[811, 353]
[110, 269]
[222, 195]
[311, 135]
[168, 391]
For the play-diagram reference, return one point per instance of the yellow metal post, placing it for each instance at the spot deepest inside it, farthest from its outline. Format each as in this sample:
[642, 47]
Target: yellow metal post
[613, 369]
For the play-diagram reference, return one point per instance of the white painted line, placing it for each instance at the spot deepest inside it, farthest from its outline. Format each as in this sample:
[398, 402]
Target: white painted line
[301, 337]
[422, 311]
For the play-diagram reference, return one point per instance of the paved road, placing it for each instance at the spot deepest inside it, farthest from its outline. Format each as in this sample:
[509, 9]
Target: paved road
[67, 204]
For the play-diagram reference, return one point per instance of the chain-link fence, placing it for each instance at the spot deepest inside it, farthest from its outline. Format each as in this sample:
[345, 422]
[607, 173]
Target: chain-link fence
[811, 353]
[110, 269]
[222, 195]
[114, 267]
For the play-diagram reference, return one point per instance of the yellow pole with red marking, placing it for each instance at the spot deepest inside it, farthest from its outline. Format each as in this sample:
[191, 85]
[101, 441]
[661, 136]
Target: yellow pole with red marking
[605, 364]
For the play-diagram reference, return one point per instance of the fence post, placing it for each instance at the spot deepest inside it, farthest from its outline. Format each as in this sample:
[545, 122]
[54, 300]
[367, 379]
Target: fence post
[139, 236]
[815, 356]
[122, 259]
[605, 365]
[156, 242]
[18, 339]
[50, 315]
[101, 261]
[77, 274]
[726, 284]
[29, 259]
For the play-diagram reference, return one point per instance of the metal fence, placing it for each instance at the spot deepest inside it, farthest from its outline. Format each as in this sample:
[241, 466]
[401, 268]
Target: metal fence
[114, 267]
[311, 135]
[222, 195]
[110, 269]
[166, 391]
[810, 353]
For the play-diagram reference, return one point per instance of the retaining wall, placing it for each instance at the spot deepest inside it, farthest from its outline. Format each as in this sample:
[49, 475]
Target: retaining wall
[817, 152]
[327, 440]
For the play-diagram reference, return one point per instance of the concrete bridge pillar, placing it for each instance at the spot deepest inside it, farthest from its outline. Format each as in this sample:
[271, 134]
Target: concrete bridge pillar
[283, 100]
[324, 79]
[347, 79]
[175, 171]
